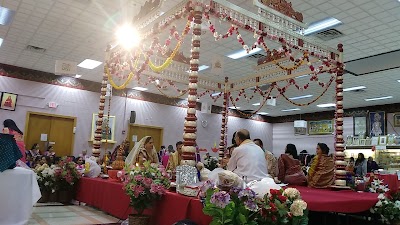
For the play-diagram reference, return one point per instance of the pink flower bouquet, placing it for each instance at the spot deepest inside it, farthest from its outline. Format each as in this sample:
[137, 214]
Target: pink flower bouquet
[146, 184]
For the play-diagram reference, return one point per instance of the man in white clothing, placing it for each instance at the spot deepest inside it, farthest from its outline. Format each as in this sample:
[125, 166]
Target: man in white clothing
[92, 169]
[247, 159]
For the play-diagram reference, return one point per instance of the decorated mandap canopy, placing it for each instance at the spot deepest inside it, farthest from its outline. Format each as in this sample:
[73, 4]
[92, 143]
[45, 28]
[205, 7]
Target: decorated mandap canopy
[177, 45]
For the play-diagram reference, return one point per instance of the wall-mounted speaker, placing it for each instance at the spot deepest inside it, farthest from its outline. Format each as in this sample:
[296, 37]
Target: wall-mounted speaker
[132, 119]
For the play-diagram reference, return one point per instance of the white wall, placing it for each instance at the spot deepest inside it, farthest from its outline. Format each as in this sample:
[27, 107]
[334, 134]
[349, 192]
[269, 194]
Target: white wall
[283, 134]
[34, 96]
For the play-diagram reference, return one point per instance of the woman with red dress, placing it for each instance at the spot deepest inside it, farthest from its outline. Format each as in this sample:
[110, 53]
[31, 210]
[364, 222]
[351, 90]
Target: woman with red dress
[289, 166]
[11, 128]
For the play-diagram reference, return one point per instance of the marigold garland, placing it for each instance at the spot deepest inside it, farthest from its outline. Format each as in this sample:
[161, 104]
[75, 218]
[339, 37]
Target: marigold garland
[168, 61]
[311, 102]
[130, 76]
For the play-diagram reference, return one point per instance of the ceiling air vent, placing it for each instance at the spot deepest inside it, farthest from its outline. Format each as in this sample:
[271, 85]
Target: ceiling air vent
[329, 34]
[35, 49]
[255, 56]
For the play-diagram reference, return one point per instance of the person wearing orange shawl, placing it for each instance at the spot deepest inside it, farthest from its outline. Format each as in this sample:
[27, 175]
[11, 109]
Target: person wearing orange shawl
[321, 172]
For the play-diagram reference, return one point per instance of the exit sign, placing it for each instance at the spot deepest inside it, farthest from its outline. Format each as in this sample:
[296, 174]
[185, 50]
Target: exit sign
[53, 105]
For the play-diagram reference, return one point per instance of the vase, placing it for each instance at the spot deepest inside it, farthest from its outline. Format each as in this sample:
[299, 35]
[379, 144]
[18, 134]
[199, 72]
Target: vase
[45, 196]
[65, 196]
[138, 219]
[53, 196]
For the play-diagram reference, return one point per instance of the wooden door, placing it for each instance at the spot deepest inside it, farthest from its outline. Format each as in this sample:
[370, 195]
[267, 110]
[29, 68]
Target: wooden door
[141, 131]
[37, 125]
[59, 130]
[61, 133]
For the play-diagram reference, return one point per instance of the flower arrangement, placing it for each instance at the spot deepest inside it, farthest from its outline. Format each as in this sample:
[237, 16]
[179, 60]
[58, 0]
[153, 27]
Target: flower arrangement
[210, 163]
[387, 208]
[241, 206]
[145, 184]
[67, 175]
[46, 178]
[283, 207]
[236, 206]
[376, 186]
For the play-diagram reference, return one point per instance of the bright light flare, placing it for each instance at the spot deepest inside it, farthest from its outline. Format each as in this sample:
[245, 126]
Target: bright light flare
[127, 36]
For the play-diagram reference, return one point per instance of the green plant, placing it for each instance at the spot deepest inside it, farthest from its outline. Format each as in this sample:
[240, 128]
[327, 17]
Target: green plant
[237, 206]
[387, 208]
[46, 177]
[145, 184]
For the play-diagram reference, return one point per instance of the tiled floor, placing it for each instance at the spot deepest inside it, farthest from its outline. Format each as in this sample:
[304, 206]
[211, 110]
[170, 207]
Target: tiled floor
[69, 215]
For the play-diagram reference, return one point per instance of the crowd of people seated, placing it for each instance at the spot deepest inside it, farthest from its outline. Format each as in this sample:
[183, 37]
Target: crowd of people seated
[298, 169]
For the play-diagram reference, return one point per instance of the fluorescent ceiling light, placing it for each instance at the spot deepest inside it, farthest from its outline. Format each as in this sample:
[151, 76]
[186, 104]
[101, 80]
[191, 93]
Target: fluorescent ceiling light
[322, 25]
[78, 76]
[202, 67]
[139, 88]
[215, 94]
[398, 80]
[233, 107]
[1, 41]
[289, 110]
[354, 88]
[242, 53]
[89, 64]
[6, 15]
[262, 113]
[300, 97]
[378, 98]
[326, 105]
[256, 104]
[302, 76]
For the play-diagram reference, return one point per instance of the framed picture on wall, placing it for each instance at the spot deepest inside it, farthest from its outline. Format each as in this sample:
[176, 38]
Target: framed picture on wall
[359, 126]
[377, 123]
[396, 120]
[108, 128]
[382, 140]
[8, 101]
[320, 127]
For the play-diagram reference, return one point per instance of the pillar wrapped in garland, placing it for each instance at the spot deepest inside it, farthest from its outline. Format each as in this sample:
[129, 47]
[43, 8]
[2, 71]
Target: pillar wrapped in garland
[99, 122]
[190, 126]
[224, 127]
[340, 164]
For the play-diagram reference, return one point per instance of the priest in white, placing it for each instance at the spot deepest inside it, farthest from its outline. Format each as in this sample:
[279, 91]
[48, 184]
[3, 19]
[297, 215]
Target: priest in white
[247, 160]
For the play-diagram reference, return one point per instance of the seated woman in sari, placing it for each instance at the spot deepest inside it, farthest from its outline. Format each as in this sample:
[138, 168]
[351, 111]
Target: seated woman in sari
[321, 172]
[142, 151]
[290, 168]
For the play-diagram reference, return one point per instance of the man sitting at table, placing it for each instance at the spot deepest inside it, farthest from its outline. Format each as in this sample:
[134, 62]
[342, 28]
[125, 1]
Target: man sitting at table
[92, 169]
[321, 172]
[176, 157]
[247, 160]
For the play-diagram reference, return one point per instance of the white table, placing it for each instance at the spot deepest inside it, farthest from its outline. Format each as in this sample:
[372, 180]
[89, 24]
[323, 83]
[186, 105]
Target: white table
[19, 191]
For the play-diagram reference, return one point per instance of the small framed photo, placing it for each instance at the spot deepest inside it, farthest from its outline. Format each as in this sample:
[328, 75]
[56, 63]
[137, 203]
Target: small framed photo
[8, 101]
[382, 140]
[356, 141]
[362, 142]
[396, 120]
[368, 141]
[374, 141]
[349, 140]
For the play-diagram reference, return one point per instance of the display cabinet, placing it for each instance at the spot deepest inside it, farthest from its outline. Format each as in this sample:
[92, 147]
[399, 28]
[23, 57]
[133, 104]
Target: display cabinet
[387, 157]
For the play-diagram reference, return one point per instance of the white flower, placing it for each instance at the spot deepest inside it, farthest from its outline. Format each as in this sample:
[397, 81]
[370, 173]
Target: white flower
[298, 207]
[397, 204]
[46, 183]
[381, 196]
[379, 203]
[291, 193]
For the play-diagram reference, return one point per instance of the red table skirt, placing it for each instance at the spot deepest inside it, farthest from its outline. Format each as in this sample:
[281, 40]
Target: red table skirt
[344, 201]
[108, 196]
[391, 180]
